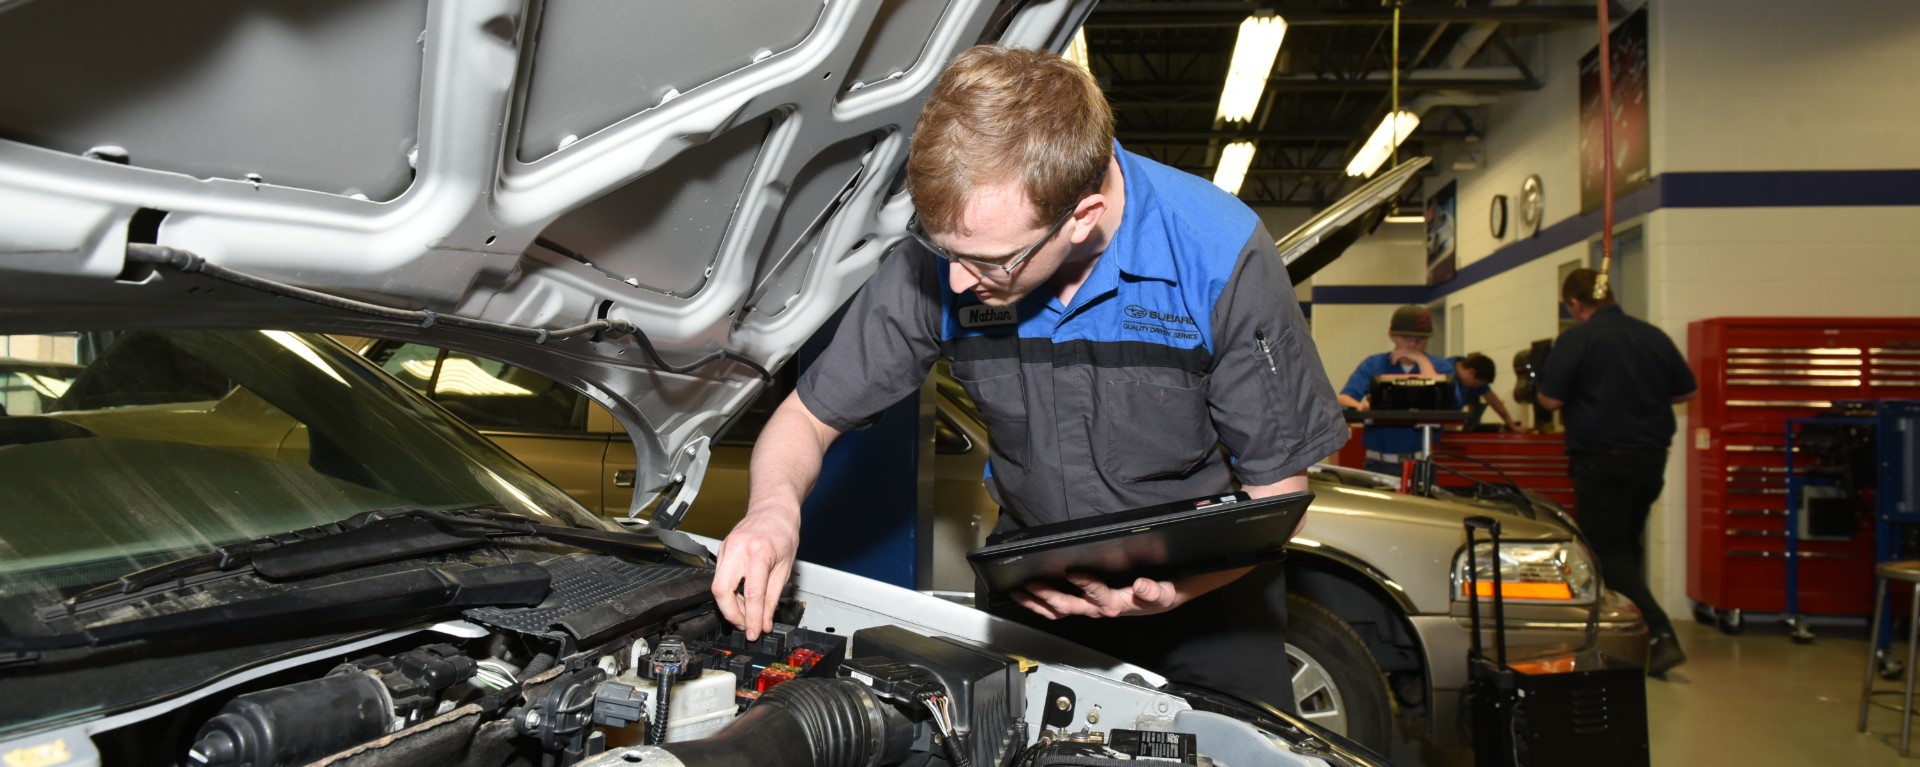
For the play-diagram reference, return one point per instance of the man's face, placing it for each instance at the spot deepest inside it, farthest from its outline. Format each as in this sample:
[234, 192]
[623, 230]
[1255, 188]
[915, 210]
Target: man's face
[996, 226]
[1467, 377]
[1414, 343]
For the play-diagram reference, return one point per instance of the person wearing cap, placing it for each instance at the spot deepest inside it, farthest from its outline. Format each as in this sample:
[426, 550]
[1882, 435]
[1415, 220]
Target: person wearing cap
[1409, 330]
[1473, 389]
[1617, 379]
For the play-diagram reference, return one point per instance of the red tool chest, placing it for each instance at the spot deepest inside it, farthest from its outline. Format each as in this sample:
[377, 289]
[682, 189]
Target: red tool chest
[1754, 373]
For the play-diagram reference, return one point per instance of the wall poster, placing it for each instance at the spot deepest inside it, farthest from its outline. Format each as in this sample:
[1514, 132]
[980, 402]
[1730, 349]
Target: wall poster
[1632, 167]
[1442, 230]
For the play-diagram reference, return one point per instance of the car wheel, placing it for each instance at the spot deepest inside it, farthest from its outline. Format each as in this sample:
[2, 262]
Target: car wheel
[1336, 682]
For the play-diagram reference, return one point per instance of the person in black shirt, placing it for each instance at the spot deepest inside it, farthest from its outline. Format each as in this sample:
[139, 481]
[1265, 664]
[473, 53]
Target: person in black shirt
[1618, 378]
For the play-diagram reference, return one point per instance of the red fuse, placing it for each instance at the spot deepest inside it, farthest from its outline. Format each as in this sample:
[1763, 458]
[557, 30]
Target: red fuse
[771, 676]
[803, 658]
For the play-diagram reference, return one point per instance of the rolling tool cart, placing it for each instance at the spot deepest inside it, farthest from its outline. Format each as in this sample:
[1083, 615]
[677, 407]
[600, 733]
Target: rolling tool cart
[1567, 711]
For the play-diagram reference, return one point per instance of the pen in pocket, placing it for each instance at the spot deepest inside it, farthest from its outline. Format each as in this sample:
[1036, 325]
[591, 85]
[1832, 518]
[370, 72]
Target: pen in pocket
[1266, 350]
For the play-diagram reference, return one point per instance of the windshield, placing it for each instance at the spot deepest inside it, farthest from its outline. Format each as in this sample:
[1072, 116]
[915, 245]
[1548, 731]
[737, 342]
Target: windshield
[122, 450]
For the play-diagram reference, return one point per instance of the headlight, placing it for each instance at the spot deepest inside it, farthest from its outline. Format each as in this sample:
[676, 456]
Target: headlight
[1557, 572]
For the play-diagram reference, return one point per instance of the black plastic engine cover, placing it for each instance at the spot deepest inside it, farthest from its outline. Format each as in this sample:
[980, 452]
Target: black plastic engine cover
[989, 696]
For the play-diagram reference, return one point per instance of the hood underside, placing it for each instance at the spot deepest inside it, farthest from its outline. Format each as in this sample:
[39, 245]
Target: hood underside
[691, 188]
[719, 177]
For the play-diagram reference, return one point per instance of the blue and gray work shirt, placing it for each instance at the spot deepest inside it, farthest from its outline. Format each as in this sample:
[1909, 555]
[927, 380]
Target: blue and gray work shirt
[1390, 440]
[1185, 337]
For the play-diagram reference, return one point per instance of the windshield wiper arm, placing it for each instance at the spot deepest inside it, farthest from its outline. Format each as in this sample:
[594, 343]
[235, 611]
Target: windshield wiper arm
[391, 595]
[365, 539]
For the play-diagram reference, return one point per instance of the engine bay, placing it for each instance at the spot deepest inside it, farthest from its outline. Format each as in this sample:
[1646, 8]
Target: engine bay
[628, 663]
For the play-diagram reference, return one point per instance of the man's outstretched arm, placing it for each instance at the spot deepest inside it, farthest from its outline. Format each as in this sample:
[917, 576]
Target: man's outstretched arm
[757, 556]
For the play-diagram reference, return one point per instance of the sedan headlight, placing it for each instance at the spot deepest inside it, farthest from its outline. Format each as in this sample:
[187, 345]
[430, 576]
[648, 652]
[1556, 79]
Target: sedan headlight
[1554, 572]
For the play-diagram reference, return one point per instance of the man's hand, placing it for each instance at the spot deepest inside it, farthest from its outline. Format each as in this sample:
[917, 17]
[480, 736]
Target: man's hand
[1098, 600]
[1516, 426]
[754, 563]
[1406, 355]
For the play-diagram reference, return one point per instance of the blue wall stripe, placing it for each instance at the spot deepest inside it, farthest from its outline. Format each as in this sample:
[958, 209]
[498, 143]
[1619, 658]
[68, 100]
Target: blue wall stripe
[1792, 189]
[1705, 189]
[1369, 294]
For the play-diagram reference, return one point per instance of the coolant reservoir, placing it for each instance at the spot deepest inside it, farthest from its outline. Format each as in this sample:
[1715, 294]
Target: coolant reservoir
[700, 707]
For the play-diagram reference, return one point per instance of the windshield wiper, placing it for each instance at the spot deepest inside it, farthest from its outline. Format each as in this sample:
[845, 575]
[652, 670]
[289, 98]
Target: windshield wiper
[365, 539]
[414, 592]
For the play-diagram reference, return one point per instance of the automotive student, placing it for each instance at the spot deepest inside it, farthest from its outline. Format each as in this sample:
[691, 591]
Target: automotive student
[1114, 319]
[1473, 388]
[1409, 330]
[1618, 379]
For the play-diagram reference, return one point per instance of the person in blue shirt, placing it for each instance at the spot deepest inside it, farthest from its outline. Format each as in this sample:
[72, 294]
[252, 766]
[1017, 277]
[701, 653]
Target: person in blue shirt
[1410, 330]
[1473, 389]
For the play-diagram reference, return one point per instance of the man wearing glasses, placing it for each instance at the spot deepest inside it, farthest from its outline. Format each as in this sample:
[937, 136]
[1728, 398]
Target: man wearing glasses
[1116, 320]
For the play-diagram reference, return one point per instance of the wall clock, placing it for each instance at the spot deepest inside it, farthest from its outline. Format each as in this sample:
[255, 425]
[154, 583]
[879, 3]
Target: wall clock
[1533, 205]
[1497, 216]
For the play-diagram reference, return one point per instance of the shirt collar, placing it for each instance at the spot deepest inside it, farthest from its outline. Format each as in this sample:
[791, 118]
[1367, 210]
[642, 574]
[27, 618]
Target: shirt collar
[1137, 226]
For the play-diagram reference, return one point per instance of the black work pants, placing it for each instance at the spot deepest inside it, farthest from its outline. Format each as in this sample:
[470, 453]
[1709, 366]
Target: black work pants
[1613, 493]
[1232, 639]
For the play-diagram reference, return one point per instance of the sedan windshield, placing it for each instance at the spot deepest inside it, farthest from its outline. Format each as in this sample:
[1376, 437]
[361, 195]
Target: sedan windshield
[122, 450]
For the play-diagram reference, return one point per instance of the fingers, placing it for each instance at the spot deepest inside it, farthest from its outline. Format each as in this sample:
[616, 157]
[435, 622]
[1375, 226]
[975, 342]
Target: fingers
[1154, 595]
[728, 572]
[751, 572]
[768, 602]
[1029, 601]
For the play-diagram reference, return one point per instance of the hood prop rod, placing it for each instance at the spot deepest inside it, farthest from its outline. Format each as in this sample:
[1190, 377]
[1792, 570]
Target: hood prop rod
[188, 262]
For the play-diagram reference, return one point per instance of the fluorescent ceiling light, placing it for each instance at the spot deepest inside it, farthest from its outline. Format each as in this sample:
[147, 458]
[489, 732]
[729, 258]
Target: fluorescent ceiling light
[1253, 56]
[1380, 145]
[1077, 50]
[1406, 219]
[1233, 166]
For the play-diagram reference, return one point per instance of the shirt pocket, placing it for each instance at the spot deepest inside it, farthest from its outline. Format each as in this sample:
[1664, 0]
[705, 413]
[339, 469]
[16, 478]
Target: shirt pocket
[1154, 427]
[1002, 400]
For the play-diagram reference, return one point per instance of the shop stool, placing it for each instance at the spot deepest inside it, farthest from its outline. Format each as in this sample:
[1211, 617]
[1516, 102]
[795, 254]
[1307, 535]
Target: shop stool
[1908, 571]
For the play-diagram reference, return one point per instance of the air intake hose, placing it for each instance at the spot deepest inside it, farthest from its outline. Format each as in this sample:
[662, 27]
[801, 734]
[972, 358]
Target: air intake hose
[807, 723]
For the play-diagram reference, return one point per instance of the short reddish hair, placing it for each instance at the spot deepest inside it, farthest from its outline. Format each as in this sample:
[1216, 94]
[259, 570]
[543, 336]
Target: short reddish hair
[1001, 114]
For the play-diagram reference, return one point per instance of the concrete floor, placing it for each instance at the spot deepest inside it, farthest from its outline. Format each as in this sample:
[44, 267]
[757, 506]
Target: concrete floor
[1757, 699]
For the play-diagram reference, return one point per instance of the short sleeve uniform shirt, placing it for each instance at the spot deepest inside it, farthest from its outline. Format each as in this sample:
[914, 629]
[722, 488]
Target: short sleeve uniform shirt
[1184, 339]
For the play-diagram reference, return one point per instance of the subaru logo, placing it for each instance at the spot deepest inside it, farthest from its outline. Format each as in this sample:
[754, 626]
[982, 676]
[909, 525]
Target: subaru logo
[1136, 311]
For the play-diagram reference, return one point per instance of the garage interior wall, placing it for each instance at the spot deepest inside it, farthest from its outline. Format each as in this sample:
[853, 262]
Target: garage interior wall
[1782, 89]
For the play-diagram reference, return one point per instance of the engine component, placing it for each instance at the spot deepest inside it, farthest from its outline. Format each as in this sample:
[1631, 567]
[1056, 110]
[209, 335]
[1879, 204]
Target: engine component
[983, 695]
[295, 724]
[559, 719]
[669, 661]
[840, 721]
[702, 704]
[415, 679]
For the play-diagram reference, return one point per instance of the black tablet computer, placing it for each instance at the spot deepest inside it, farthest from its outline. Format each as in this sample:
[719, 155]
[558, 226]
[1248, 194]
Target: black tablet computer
[1201, 535]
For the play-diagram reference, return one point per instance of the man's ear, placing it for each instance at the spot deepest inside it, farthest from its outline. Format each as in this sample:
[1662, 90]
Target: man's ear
[1085, 216]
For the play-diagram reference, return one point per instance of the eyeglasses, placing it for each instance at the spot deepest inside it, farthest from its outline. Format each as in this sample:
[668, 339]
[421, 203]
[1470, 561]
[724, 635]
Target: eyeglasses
[1005, 268]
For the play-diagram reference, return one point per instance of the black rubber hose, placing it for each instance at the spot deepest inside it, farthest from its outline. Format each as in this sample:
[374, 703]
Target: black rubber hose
[540, 663]
[841, 722]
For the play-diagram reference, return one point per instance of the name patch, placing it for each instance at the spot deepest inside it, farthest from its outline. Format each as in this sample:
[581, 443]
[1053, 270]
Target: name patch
[982, 316]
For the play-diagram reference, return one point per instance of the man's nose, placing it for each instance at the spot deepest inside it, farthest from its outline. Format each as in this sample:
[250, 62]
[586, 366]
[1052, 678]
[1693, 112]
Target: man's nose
[961, 277]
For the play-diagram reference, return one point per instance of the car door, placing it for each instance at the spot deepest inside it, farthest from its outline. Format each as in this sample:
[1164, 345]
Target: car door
[549, 427]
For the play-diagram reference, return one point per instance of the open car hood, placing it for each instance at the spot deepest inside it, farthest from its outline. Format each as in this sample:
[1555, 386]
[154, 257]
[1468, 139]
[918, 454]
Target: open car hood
[1316, 243]
[691, 195]
[719, 177]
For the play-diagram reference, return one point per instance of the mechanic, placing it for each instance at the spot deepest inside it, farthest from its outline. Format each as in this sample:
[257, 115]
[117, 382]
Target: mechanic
[1473, 389]
[1409, 330]
[1618, 379]
[1114, 319]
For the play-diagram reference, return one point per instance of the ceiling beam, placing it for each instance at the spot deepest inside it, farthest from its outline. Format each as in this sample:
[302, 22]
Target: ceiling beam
[1149, 15]
[1326, 85]
[1183, 138]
